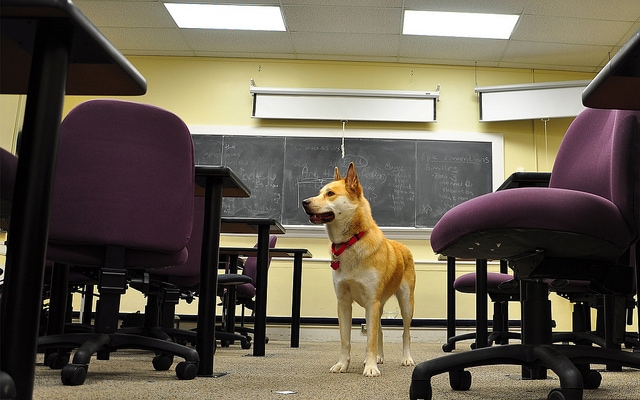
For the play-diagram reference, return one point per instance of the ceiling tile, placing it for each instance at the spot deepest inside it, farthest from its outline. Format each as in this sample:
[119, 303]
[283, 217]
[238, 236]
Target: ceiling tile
[554, 54]
[148, 39]
[621, 10]
[537, 28]
[377, 20]
[452, 48]
[138, 14]
[238, 41]
[345, 44]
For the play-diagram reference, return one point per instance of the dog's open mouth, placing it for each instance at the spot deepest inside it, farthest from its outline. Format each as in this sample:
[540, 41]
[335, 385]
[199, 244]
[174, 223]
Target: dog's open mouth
[321, 218]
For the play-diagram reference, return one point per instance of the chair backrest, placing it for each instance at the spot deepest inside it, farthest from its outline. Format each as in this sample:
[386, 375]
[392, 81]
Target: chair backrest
[188, 274]
[600, 154]
[124, 177]
[250, 267]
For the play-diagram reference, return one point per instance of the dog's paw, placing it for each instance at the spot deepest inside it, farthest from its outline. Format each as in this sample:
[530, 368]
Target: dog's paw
[371, 370]
[339, 367]
[408, 362]
[380, 360]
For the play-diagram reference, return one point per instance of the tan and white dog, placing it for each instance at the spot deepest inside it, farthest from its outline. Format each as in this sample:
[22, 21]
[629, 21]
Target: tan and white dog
[367, 267]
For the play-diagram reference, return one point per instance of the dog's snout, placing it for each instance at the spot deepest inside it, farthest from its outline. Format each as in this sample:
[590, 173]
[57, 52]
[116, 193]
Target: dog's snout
[306, 202]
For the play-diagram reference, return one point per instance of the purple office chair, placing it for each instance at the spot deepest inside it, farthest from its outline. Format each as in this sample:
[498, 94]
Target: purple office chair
[584, 226]
[122, 201]
[245, 293]
[502, 288]
[183, 282]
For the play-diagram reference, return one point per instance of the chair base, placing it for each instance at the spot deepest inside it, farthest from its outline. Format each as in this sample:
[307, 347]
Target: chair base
[569, 362]
[499, 338]
[88, 344]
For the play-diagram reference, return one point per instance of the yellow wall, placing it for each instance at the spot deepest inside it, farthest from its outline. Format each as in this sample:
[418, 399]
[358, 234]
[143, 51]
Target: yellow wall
[209, 91]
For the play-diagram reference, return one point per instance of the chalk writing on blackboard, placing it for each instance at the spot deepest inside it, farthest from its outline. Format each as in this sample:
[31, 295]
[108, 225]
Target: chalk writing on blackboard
[409, 182]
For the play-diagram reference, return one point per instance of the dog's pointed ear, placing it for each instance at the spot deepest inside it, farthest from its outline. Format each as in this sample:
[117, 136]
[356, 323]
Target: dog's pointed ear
[353, 184]
[336, 176]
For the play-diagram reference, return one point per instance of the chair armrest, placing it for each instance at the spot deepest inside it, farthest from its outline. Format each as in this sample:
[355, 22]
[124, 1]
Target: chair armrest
[526, 179]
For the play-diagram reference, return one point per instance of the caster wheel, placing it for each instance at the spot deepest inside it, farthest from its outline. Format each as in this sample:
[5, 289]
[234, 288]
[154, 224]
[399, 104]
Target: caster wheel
[225, 343]
[556, 394]
[460, 380]
[473, 346]
[420, 390]
[447, 348]
[266, 340]
[245, 344]
[73, 374]
[592, 379]
[565, 394]
[162, 362]
[57, 360]
[186, 370]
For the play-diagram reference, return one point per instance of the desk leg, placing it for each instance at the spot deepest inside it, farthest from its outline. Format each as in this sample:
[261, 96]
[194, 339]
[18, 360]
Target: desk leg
[481, 304]
[260, 312]
[29, 226]
[295, 300]
[206, 327]
[451, 298]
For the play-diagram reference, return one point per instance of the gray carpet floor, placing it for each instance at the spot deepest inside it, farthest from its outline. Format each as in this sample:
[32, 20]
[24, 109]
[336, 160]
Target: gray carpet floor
[303, 373]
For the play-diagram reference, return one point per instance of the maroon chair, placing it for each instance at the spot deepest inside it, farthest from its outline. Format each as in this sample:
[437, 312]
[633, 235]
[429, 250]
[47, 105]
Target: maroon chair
[584, 226]
[167, 286]
[122, 202]
[245, 293]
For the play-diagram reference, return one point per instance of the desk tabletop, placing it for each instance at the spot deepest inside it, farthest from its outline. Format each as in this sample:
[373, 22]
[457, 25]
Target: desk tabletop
[526, 179]
[251, 225]
[232, 186]
[96, 67]
[617, 85]
[273, 252]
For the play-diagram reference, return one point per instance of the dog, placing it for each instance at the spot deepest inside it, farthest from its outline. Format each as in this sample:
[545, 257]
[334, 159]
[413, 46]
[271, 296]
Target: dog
[367, 267]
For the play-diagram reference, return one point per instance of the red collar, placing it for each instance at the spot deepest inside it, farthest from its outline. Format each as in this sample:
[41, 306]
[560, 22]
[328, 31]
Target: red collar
[337, 249]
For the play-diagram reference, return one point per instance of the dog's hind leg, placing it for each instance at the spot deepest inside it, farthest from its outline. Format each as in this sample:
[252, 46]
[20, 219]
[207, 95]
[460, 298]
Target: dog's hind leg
[404, 294]
[344, 320]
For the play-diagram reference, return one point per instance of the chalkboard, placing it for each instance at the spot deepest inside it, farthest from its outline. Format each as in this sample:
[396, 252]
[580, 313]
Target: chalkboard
[450, 173]
[409, 183]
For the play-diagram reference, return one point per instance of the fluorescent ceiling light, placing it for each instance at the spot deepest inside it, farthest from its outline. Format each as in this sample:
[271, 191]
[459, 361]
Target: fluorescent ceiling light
[435, 23]
[215, 16]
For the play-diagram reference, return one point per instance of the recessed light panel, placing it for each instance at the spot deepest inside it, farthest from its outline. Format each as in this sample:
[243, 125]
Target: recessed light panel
[475, 25]
[216, 16]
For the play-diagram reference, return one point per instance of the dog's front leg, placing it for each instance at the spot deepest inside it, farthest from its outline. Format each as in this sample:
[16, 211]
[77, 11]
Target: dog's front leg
[344, 320]
[373, 334]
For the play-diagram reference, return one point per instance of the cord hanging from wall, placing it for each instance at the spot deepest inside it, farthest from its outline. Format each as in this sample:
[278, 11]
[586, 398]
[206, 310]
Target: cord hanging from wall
[546, 143]
[344, 124]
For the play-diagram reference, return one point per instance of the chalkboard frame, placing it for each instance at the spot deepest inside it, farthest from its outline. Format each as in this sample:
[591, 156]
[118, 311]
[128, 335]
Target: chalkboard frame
[496, 140]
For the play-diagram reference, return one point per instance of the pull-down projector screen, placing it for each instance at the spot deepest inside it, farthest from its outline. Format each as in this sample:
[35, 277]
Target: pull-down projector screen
[338, 104]
[531, 101]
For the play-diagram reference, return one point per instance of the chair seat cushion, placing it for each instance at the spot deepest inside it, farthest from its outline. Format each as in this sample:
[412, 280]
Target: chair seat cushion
[493, 226]
[87, 255]
[496, 282]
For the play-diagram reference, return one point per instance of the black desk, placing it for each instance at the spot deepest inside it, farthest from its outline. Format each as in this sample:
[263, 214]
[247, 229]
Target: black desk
[617, 85]
[263, 227]
[298, 255]
[47, 48]
[214, 183]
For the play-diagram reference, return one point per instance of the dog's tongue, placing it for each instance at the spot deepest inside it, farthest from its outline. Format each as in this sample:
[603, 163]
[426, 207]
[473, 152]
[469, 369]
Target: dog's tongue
[321, 218]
